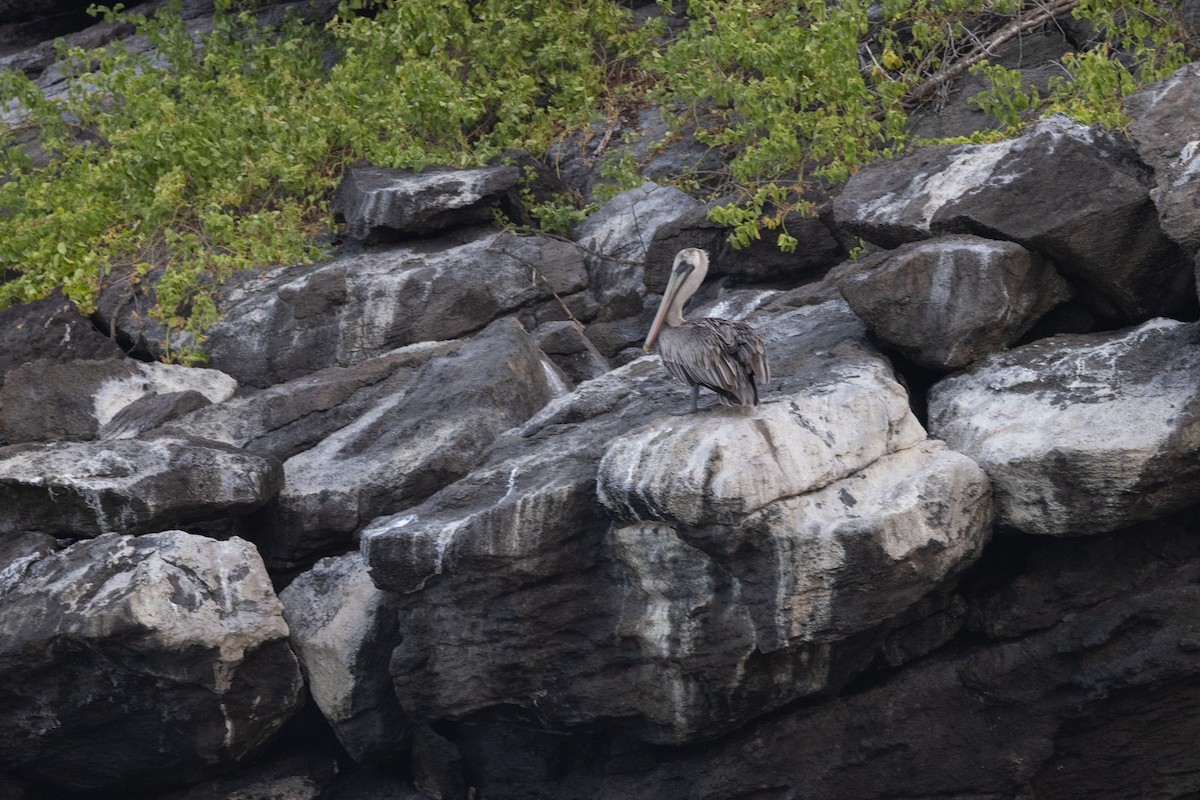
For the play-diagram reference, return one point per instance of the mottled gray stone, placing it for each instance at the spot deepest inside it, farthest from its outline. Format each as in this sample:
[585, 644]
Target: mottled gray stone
[1082, 434]
[141, 661]
[379, 204]
[948, 301]
[131, 486]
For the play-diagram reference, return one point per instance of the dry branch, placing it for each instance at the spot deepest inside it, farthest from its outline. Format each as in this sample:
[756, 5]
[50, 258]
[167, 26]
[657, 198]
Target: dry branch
[1023, 24]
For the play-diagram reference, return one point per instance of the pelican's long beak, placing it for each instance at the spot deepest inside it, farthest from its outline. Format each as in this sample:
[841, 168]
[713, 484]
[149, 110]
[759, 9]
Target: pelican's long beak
[669, 294]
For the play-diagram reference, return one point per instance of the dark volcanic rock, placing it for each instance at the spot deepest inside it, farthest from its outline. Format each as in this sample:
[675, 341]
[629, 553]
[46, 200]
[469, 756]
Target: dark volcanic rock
[150, 411]
[408, 445]
[1082, 434]
[572, 350]
[819, 249]
[618, 240]
[1080, 196]
[302, 773]
[611, 562]
[292, 417]
[123, 311]
[130, 662]
[292, 322]
[380, 205]
[1095, 699]
[343, 630]
[129, 486]
[1166, 121]
[43, 401]
[947, 301]
[50, 329]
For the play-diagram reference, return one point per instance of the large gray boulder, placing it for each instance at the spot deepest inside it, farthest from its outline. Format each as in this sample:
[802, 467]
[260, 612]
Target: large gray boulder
[291, 417]
[379, 204]
[132, 662]
[132, 486]
[409, 444]
[1082, 434]
[291, 322]
[1166, 118]
[44, 401]
[1079, 196]
[1075, 677]
[343, 630]
[52, 329]
[948, 301]
[618, 239]
[611, 562]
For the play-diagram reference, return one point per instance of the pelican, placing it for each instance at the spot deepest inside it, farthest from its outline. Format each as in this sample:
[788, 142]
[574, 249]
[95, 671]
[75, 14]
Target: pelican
[727, 357]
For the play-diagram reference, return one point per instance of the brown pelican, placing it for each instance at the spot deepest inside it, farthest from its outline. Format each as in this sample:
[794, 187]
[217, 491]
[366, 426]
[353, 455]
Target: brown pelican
[727, 357]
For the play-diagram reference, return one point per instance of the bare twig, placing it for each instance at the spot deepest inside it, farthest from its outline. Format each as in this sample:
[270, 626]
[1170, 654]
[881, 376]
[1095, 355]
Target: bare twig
[1026, 22]
[526, 230]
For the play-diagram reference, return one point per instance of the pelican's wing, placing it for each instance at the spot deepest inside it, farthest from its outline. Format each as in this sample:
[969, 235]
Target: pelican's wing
[720, 355]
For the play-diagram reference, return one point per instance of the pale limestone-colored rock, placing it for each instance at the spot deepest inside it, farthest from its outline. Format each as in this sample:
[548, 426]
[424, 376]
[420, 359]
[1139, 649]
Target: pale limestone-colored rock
[173, 645]
[694, 471]
[82, 489]
[798, 576]
[1082, 434]
[343, 630]
[114, 395]
[522, 593]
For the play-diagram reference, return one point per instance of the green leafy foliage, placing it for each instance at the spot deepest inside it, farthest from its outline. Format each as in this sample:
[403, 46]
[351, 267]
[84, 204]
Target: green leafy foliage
[216, 151]
[806, 91]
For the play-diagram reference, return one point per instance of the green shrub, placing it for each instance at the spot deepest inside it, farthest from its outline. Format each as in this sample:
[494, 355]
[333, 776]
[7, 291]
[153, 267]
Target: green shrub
[217, 151]
[806, 91]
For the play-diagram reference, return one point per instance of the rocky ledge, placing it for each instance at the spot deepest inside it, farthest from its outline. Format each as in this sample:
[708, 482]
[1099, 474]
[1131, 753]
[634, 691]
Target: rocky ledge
[433, 486]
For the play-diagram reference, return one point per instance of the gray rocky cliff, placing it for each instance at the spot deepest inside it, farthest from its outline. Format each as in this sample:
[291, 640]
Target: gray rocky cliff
[430, 524]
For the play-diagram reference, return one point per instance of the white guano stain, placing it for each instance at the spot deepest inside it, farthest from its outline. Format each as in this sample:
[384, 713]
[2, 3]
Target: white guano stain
[114, 395]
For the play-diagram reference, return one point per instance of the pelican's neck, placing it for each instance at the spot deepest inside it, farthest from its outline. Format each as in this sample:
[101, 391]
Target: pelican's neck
[674, 316]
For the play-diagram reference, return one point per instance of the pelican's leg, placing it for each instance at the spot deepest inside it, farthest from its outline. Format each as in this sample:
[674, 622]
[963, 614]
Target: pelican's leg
[695, 400]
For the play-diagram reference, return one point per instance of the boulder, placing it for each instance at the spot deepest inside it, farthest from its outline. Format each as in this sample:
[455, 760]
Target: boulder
[123, 310]
[571, 350]
[948, 301]
[380, 205]
[1079, 196]
[286, 323]
[44, 401]
[291, 417]
[1062, 689]
[343, 630]
[131, 486]
[408, 445]
[150, 411]
[1166, 117]
[135, 662]
[50, 329]
[618, 239]
[819, 248]
[699, 471]
[720, 613]
[1082, 434]
[612, 563]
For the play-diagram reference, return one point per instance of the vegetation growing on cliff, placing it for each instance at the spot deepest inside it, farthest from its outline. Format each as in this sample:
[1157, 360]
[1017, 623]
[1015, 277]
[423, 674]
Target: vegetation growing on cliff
[217, 151]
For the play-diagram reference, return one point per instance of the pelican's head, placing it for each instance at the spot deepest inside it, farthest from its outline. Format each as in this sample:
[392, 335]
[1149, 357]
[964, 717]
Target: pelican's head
[687, 273]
